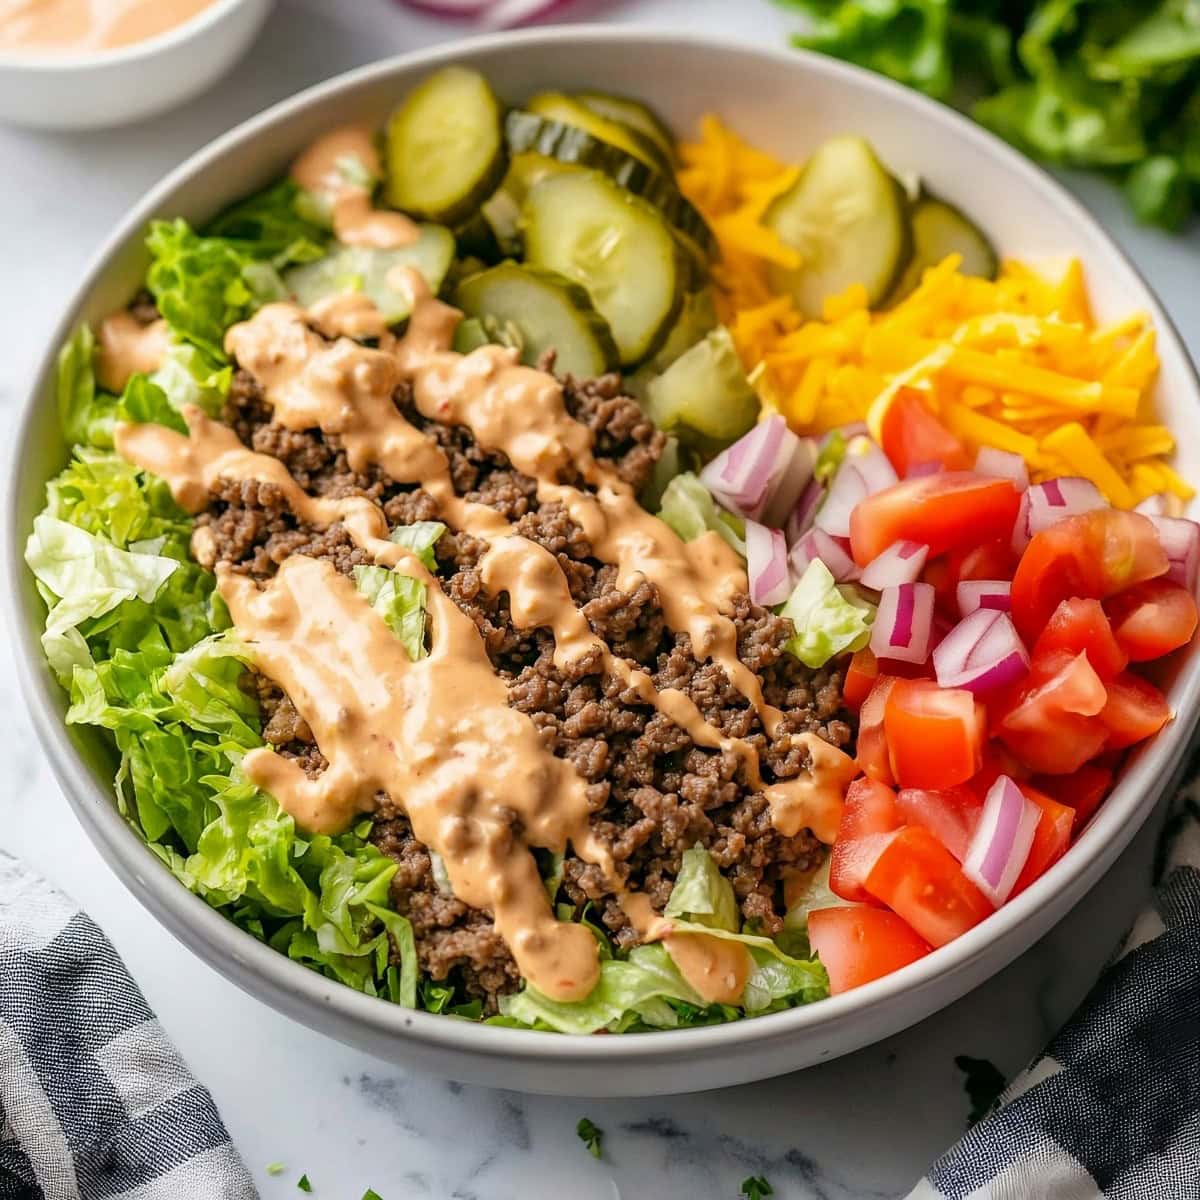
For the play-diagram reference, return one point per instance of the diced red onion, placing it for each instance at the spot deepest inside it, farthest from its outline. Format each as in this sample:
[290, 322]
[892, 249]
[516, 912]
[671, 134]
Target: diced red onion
[1180, 540]
[1045, 504]
[974, 594]
[788, 483]
[1002, 464]
[1153, 506]
[491, 14]
[740, 475]
[767, 564]
[901, 562]
[801, 517]
[982, 652]
[904, 623]
[833, 552]
[864, 471]
[921, 469]
[1002, 840]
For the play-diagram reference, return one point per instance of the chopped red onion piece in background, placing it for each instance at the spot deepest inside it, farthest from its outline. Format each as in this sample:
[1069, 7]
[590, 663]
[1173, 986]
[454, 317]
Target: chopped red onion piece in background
[833, 552]
[983, 593]
[982, 652]
[901, 562]
[1003, 838]
[767, 564]
[904, 623]
[1180, 540]
[1002, 464]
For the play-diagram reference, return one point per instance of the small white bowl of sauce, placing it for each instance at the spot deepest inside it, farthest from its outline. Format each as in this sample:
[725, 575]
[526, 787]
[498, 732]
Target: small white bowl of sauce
[86, 64]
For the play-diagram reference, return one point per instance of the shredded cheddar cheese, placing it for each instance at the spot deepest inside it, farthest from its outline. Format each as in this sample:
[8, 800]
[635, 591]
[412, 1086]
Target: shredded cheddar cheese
[1017, 362]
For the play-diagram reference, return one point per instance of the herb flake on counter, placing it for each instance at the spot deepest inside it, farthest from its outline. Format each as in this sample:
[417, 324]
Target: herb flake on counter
[983, 1084]
[371, 1194]
[303, 1184]
[591, 1135]
[755, 1188]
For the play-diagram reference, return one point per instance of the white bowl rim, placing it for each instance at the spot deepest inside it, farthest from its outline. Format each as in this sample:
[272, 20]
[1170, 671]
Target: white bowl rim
[65, 60]
[293, 986]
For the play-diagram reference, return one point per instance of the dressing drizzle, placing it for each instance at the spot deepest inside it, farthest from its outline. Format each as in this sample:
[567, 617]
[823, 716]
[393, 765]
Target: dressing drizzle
[437, 734]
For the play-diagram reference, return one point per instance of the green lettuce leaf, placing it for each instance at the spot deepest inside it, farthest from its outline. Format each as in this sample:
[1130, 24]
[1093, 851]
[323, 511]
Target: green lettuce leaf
[148, 662]
[420, 537]
[828, 620]
[647, 974]
[271, 225]
[400, 601]
[105, 495]
[690, 510]
[702, 894]
[189, 376]
[88, 576]
[85, 414]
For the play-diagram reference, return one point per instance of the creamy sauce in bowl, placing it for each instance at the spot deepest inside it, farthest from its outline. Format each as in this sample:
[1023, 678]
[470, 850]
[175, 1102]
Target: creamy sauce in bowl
[86, 26]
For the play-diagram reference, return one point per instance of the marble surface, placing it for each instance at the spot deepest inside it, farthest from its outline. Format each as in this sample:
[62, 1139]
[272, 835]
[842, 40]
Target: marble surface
[864, 1126]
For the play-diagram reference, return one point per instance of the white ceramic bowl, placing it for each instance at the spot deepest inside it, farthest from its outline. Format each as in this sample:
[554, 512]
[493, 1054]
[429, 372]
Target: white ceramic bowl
[114, 87]
[787, 102]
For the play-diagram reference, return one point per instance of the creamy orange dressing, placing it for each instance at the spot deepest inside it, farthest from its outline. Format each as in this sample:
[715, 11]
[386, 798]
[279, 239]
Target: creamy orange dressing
[321, 169]
[125, 347]
[437, 735]
[62, 26]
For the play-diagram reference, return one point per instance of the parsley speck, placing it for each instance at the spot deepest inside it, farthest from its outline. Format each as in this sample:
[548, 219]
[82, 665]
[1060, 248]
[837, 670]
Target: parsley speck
[303, 1184]
[371, 1194]
[756, 1187]
[590, 1135]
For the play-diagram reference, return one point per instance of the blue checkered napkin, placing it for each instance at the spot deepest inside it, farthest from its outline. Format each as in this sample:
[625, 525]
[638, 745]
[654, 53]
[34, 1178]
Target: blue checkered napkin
[95, 1102]
[1112, 1107]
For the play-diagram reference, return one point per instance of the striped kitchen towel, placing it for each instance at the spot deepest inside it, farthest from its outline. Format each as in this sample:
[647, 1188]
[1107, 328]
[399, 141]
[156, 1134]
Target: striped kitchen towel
[95, 1102]
[1112, 1107]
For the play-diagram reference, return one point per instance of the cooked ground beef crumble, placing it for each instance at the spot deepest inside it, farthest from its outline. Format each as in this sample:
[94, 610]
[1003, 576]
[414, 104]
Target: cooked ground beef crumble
[652, 791]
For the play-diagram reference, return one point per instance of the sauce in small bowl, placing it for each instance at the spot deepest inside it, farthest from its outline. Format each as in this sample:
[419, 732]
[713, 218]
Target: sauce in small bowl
[87, 26]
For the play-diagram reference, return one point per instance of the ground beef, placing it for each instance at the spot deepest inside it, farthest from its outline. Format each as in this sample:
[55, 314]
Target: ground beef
[144, 310]
[653, 793]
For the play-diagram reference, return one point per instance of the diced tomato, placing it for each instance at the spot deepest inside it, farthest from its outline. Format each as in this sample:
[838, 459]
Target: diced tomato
[857, 944]
[1050, 839]
[1092, 555]
[911, 435]
[872, 749]
[1135, 710]
[869, 820]
[1079, 624]
[950, 814]
[860, 679]
[1152, 619]
[1052, 724]
[918, 879]
[944, 512]
[934, 735]
[1082, 790]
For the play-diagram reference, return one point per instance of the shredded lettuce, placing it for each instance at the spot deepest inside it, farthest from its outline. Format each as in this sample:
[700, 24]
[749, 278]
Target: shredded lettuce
[86, 576]
[189, 376]
[205, 283]
[828, 620]
[420, 537]
[398, 598]
[140, 641]
[645, 989]
[702, 894]
[690, 510]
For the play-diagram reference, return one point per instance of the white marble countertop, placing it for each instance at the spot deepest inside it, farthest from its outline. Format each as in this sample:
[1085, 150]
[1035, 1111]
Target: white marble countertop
[864, 1126]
